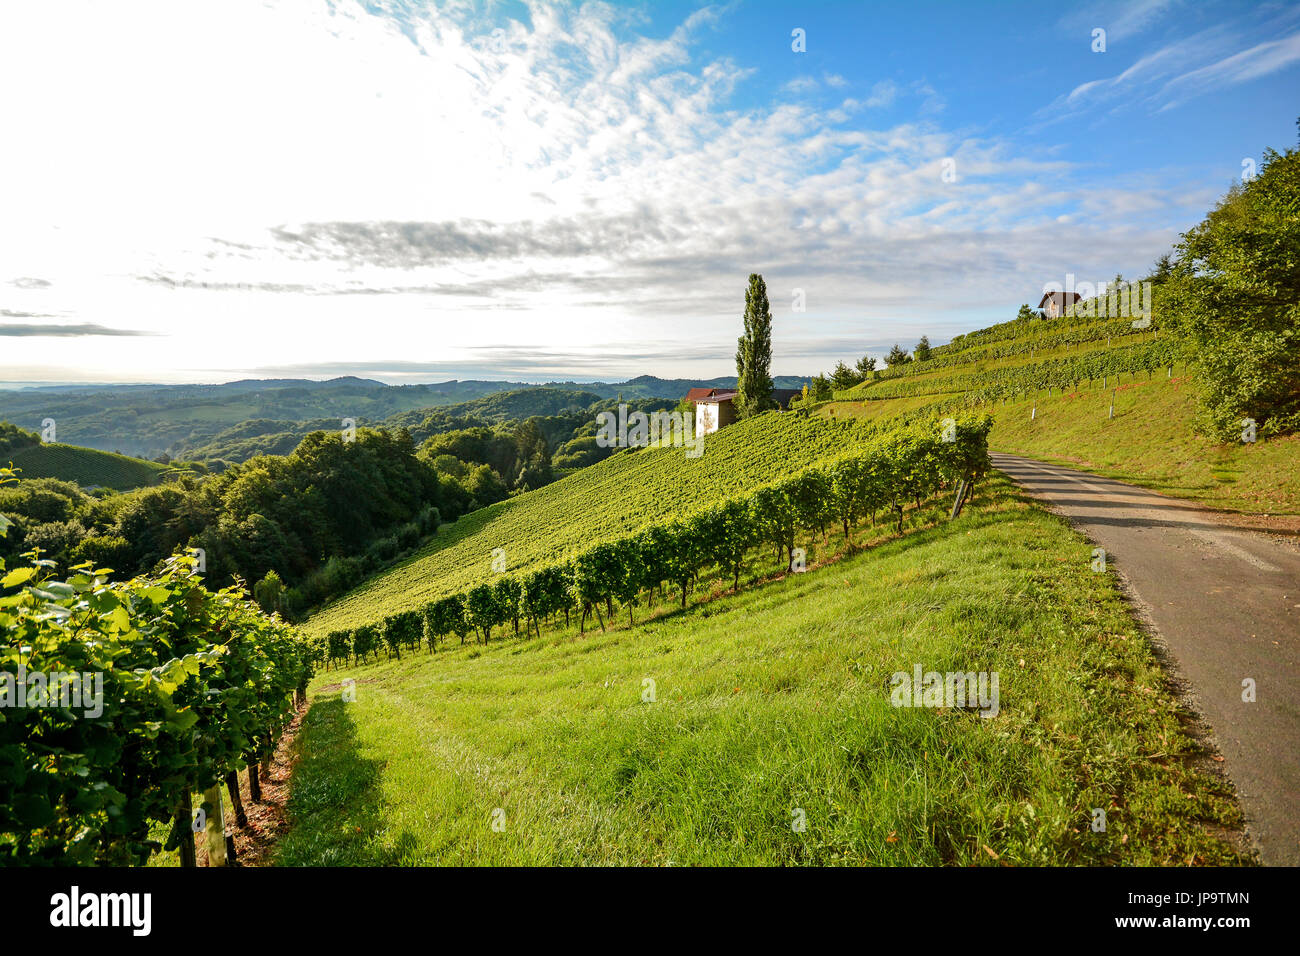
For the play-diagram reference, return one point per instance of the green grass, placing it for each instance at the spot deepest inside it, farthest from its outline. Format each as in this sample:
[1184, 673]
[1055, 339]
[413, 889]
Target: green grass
[1150, 443]
[776, 699]
[621, 494]
[86, 466]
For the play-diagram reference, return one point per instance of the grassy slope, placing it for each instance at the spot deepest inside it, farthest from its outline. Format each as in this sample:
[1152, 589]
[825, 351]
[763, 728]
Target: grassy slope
[1149, 442]
[777, 698]
[623, 493]
[85, 466]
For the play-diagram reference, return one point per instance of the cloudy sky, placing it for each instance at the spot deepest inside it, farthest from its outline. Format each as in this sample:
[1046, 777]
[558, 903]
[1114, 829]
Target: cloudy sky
[202, 191]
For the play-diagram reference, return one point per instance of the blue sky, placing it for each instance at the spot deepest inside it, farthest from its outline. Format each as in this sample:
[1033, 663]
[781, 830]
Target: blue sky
[416, 192]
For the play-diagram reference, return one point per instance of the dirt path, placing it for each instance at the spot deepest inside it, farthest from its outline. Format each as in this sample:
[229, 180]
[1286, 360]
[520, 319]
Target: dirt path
[266, 820]
[1225, 599]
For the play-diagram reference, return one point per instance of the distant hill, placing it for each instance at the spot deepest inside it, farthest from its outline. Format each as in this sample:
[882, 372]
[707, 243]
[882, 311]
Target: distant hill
[563, 413]
[649, 386]
[150, 420]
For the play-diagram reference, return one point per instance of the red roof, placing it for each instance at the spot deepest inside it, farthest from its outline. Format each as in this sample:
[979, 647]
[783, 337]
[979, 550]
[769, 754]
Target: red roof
[710, 394]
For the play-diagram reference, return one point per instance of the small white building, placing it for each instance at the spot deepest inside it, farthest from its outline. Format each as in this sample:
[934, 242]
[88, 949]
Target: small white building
[1054, 304]
[714, 408]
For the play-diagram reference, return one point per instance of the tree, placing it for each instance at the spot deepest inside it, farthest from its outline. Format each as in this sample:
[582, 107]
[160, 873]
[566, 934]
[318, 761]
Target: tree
[1162, 270]
[754, 352]
[820, 388]
[483, 610]
[922, 351]
[534, 455]
[1234, 299]
[897, 356]
[866, 365]
[843, 377]
[1026, 314]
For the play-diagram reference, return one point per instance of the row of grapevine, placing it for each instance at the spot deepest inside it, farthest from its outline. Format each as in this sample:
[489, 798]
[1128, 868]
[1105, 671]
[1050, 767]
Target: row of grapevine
[1065, 372]
[547, 525]
[1023, 345]
[1038, 328]
[119, 700]
[907, 465]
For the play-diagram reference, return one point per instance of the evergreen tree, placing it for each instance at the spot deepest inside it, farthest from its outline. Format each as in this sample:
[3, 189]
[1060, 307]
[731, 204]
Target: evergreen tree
[269, 592]
[922, 351]
[1162, 270]
[897, 356]
[866, 365]
[843, 377]
[1026, 314]
[754, 352]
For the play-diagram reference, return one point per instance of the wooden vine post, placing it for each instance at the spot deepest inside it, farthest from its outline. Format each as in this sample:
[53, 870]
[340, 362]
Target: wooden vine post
[962, 488]
[216, 828]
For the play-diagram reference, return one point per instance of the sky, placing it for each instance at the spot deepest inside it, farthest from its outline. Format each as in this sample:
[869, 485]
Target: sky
[206, 191]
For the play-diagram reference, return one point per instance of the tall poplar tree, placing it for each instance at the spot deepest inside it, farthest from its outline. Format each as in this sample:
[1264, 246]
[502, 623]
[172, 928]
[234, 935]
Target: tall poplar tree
[754, 352]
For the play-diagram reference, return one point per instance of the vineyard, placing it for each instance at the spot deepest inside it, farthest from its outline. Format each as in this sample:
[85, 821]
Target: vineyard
[1046, 337]
[1003, 381]
[120, 700]
[897, 468]
[85, 466]
[616, 497]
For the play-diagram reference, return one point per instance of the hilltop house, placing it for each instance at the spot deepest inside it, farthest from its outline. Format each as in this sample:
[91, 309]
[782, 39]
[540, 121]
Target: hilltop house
[1054, 304]
[716, 407]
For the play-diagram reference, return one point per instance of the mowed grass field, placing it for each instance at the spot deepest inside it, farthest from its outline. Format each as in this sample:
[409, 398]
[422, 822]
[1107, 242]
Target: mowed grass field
[771, 707]
[86, 466]
[622, 494]
[1149, 442]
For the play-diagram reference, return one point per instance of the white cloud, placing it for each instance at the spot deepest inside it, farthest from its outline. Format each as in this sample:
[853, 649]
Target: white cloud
[298, 184]
[1215, 58]
[1260, 60]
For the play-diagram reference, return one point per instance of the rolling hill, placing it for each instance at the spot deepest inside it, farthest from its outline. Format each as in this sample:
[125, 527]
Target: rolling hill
[85, 466]
[149, 420]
